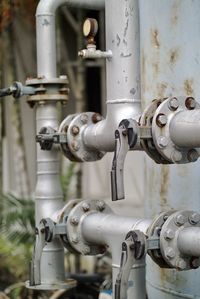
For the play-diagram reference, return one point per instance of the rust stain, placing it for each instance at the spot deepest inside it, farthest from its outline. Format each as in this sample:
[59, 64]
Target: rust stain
[161, 88]
[188, 87]
[164, 184]
[174, 14]
[155, 38]
[155, 66]
[173, 56]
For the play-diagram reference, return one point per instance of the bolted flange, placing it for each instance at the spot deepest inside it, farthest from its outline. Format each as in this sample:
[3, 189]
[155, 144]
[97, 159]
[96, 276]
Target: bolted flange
[74, 226]
[169, 235]
[161, 121]
[74, 126]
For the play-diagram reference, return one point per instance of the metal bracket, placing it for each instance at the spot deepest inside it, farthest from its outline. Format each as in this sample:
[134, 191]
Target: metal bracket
[133, 249]
[48, 136]
[125, 139]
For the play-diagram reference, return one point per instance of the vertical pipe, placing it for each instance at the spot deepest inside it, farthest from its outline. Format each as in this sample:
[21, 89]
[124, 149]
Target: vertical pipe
[48, 193]
[170, 67]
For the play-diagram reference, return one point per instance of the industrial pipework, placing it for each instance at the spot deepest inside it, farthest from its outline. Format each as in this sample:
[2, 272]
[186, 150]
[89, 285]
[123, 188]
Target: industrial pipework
[167, 131]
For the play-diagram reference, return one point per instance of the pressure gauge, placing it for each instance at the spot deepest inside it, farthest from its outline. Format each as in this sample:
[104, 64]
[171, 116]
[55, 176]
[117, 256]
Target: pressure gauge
[90, 27]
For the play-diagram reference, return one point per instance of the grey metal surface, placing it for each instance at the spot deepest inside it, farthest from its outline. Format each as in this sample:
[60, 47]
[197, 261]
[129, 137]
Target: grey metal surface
[122, 72]
[170, 66]
[111, 229]
[46, 35]
[189, 241]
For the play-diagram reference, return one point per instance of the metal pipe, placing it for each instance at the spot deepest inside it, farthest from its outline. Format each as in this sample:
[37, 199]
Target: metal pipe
[185, 129]
[48, 192]
[46, 35]
[122, 73]
[189, 241]
[111, 230]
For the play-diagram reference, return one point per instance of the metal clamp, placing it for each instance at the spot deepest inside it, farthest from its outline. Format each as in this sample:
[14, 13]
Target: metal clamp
[133, 249]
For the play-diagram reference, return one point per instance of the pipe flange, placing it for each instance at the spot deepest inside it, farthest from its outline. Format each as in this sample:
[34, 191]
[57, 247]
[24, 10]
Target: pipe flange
[74, 226]
[169, 239]
[161, 129]
[48, 90]
[148, 144]
[75, 137]
[64, 126]
[154, 232]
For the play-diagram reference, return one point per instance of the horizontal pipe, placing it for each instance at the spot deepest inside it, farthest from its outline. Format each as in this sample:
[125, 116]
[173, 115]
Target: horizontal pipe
[189, 241]
[185, 129]
[111, 230]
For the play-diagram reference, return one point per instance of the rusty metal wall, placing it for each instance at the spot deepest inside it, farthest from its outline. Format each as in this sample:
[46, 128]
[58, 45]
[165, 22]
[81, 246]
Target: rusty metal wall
[170, 65]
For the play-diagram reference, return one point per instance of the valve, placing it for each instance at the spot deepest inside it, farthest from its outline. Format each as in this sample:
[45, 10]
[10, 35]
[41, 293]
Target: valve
[17, 90]
[90, 29]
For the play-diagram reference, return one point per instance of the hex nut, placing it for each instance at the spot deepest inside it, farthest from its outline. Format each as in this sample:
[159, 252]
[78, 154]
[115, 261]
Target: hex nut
[192, 155]
[84, 118]
[96, 117]
[75, 130]
[162, 141]
[170, 253]
[101, 206]
[86, 250]
[74, 221]
[161, 120]
[85, 207]
[176, 156]
[190, 103]
[180, 220]
[194, 218]
[169, 234]
[181, 264]
[173, 104]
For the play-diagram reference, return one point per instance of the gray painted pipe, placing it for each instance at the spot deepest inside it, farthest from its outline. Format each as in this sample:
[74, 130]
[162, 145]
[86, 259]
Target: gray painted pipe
[185, 129]
[48, 193]
[111, 230]
[189, 241]
[46, 36]
[122, 73]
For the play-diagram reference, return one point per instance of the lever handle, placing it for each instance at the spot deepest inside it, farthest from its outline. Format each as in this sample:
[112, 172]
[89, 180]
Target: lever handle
[125, 140]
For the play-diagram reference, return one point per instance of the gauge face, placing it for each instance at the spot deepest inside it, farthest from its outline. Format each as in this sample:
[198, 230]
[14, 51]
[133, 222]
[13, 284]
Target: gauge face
[90, 27]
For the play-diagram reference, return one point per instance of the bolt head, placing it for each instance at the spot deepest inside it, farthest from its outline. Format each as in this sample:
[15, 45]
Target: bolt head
[181, 264]
[85, 207]
[162, 141]
[180, 220]
[74, 220]
[176, 156]
[161, 120]
[195, 262]
[192, 155]
[173, 104]
[75, 130]
[194, 218]
[84, 118]
[169, 234]
[190, 103]
[96, 117]
[86, 250]
[170, 253]
[101, 206]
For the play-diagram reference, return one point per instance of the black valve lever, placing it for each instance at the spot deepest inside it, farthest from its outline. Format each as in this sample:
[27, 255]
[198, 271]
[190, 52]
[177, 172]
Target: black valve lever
[17, 89]
[125, 139]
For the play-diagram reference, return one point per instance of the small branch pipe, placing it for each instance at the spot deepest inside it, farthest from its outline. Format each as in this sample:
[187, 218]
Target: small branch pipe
[122, 73]
[189, 241]
[185, 129]
[111, 230]
[46, 36]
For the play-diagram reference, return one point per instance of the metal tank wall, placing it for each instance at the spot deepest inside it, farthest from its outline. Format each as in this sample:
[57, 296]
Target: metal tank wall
[170, 66]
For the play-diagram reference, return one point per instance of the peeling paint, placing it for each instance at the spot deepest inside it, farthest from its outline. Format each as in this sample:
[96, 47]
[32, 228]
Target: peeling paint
[188, 87]
[126, 28]
[125, 55]
[45, 22]
[164, 184]
[125, 42]
[155, 38]
[118, 40]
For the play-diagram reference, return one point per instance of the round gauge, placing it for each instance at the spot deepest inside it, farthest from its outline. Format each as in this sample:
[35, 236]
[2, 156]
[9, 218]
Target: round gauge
[90, 27]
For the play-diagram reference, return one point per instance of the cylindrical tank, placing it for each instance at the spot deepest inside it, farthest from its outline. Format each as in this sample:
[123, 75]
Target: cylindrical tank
[170, 64]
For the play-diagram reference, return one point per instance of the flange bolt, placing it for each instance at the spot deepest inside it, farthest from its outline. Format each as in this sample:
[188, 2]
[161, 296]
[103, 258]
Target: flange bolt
[169, 234]
[173, 104]
[161, 120]
[180, 220]
[170, 253]
[194, 218]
